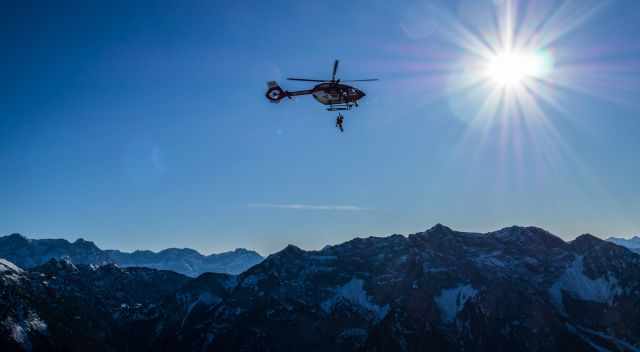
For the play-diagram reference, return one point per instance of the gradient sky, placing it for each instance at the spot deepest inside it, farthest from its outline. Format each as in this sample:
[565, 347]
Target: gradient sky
[145, 126]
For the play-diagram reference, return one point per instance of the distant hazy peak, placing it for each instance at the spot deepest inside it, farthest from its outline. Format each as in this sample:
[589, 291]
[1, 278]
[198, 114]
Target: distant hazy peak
[633, 242]
[30, 253]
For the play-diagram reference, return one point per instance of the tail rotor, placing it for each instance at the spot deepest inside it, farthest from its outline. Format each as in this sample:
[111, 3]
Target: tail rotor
[275, 93]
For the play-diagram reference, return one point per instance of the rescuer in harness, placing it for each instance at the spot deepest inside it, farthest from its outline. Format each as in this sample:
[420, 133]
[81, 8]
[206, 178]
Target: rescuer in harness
[339, 122]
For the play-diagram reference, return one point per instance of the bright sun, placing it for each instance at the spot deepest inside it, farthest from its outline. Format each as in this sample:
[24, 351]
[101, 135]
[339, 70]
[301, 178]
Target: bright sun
[508, 69]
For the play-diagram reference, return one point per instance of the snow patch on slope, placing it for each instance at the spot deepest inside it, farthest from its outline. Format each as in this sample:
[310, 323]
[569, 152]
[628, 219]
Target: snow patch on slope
[10, 271]
[6, 265]
[576, 283]
[450, 301]
[354, 293]
[20, 331]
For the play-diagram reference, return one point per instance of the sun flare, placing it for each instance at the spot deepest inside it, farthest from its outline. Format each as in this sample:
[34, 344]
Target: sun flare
[508, 69]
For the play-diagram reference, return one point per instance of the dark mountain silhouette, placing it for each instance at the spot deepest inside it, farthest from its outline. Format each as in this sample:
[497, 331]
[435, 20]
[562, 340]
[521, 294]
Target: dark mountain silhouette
[516, 289]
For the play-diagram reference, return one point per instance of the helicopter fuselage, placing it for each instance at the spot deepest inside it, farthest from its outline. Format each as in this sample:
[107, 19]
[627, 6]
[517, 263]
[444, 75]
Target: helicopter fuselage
[336, 94]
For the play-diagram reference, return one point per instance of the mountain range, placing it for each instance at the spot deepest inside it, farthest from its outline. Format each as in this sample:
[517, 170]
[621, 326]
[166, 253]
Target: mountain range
[632, 243]
[28, 253]
[515, 289]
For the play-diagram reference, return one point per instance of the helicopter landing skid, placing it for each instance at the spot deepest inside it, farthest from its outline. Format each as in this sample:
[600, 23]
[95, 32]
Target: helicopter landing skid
[339, 108]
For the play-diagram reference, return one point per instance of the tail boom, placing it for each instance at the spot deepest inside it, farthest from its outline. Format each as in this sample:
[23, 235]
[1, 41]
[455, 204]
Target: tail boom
[275, 93]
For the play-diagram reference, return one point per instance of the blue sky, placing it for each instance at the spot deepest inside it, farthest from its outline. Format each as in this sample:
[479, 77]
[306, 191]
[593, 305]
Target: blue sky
[146, 126]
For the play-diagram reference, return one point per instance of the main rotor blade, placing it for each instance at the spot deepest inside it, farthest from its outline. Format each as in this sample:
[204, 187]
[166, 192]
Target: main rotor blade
[360, 80]
[307, 80]
[335, 70]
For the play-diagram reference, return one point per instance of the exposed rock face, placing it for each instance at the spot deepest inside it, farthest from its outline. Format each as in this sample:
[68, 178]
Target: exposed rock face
[21, 327]
[516, 289]
[28, 253]
[67, 307]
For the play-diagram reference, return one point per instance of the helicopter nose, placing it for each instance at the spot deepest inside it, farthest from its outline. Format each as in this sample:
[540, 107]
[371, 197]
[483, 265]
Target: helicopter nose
[360, 94]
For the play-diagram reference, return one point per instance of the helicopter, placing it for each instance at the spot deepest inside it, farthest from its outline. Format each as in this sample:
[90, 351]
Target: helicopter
[338, 96]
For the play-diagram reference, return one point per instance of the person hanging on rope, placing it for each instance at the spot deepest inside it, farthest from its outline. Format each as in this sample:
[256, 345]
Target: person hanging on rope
[339, 122]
